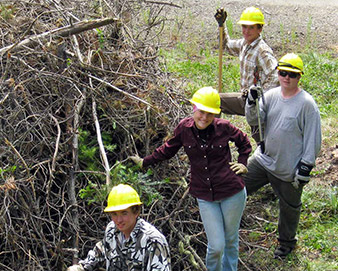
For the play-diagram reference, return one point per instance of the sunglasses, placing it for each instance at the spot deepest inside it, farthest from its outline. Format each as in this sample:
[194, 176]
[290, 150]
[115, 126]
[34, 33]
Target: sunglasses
[285, 73]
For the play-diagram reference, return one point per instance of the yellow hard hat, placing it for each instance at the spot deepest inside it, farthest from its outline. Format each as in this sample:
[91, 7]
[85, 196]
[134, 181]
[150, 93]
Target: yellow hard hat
[207, 99]
[122, 197]
[251, 16]
[290, 62]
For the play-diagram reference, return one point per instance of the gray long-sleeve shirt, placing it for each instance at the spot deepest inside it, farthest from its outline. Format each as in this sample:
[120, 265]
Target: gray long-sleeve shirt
[292, 132]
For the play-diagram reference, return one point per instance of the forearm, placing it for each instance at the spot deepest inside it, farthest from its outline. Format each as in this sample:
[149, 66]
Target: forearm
[165, 152]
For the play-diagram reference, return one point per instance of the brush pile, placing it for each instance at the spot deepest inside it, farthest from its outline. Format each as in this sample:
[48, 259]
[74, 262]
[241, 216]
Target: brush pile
[82, 84]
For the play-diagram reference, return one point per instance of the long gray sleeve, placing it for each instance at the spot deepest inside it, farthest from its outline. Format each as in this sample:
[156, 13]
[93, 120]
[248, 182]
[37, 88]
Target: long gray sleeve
[292, 132]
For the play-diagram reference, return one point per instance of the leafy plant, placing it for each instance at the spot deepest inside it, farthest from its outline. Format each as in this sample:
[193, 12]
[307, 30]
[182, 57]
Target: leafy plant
[5, 172]
[101, 37]
[140, 181]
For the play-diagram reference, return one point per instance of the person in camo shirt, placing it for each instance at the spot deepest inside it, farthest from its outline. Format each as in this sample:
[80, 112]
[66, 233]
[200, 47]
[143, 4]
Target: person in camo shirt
[130, 243]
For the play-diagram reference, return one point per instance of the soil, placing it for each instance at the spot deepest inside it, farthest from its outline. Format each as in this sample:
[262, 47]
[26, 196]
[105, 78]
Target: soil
[291, 25]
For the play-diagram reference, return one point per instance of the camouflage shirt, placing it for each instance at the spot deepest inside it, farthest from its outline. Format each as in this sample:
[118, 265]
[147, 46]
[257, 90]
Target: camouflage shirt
[145, 250]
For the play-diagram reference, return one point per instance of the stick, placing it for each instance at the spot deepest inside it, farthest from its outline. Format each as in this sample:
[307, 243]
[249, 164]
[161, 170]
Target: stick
[99, 140]
[65, 31]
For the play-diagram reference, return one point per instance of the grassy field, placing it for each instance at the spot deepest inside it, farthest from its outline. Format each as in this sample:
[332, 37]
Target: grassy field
[317, 234]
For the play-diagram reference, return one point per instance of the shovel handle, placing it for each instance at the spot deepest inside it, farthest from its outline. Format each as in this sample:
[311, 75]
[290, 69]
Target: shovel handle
[220, 58]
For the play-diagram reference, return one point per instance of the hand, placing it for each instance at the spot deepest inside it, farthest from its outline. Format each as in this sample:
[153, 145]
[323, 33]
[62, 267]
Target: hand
[75, 267]
[298, 179]
[137, 160]
[302, 175]
[220, 16]
[253, 94]
[238, 168]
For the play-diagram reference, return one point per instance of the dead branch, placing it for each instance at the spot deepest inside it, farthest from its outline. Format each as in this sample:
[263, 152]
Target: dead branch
[56, 144]
[65, 31]
[100, 142]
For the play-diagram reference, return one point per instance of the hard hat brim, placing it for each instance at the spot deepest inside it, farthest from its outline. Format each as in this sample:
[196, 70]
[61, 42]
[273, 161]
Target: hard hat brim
[120, 207]
[249, 22]
[205, 108]
[289, 69]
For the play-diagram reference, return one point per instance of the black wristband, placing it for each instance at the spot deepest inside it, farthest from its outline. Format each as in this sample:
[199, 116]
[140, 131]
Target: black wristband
[251, 102]
[304, 169]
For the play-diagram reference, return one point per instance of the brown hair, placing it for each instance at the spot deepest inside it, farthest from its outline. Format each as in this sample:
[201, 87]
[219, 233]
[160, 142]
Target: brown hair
[136, 209]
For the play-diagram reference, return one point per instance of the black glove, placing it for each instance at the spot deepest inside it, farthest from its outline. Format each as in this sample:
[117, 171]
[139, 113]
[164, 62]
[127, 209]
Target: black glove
[220, 16]
[253, 94]
[302, 175]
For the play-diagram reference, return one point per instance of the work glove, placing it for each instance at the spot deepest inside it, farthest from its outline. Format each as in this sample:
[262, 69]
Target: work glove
[75, 267]
[220, 16]
[137, 160]
[253, 94]
[238, 168]
[302, 175]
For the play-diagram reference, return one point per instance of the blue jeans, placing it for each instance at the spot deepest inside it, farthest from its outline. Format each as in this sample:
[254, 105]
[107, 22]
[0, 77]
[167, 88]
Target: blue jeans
[221, 220]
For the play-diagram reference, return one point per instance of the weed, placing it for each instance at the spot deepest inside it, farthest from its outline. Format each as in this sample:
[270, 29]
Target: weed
[141, 182]
[6, 172]
[230, 27]
[6, 12]
[309, 38]
[101, 37]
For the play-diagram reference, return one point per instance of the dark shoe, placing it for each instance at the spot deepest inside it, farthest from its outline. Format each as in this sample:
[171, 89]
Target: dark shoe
[282, 252]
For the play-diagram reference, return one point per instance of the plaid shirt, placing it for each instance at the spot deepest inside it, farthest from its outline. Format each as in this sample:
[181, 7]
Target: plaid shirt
[145, 250]
[257, 54]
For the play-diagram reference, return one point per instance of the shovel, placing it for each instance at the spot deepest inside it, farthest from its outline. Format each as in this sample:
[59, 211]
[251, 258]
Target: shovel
[220, 16]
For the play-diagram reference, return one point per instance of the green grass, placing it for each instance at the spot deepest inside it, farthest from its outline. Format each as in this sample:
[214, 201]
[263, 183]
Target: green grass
[200, 68]
[321, 80]
[317, 234]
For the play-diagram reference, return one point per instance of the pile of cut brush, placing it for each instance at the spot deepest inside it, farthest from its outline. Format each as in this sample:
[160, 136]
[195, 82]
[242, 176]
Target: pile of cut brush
[81, 89]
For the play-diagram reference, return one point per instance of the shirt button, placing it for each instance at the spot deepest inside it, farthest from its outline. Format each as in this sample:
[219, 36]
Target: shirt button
[205, 156]
[208, 179]
[206, 167]
[210, 189]
[220, 146]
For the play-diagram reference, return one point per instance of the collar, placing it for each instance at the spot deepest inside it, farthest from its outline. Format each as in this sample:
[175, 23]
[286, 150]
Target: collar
[209, 129]
[254, 43]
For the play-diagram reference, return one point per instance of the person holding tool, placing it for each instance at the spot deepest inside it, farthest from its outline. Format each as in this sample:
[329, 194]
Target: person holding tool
[257, 62]
[292, 138]
[215, 179]
[130, 243]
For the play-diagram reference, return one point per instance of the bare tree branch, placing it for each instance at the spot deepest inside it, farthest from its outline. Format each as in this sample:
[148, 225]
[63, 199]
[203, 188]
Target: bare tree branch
[65, 31]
